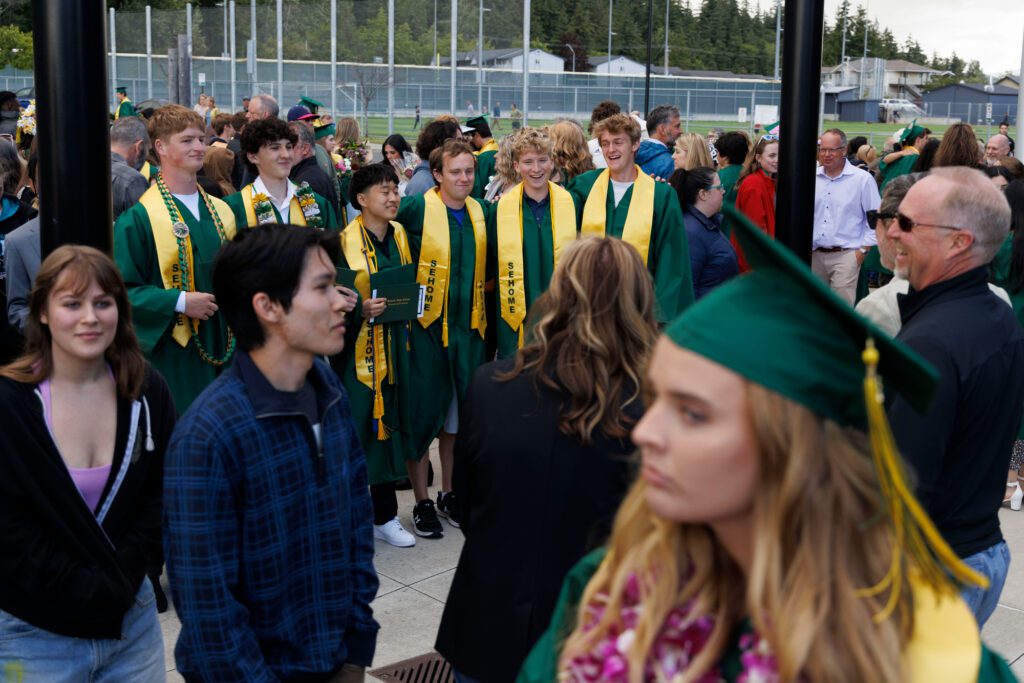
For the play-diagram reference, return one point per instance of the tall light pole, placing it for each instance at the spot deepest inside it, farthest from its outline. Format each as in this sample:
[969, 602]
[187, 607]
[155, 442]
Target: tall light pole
[391, 66]
[573, 56]
[778, 35]
[666, 36]
[255, 53]
[280, 53]
[334, 57]
[480, 58]
[455, 50]
[436, 57]
[1020, 97]
[650, 48]
[608, 65]
[526, 62]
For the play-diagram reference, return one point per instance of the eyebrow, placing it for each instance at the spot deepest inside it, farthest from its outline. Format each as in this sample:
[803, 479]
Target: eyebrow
[687, 396]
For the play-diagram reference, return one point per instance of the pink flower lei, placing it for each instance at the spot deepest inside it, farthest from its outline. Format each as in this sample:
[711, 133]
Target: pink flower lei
[682, 637]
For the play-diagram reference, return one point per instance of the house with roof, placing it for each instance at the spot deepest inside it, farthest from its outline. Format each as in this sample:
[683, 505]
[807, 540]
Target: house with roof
[974, 103]
[1010, 81]
[510, 59]
[881, 78]
[617, 65]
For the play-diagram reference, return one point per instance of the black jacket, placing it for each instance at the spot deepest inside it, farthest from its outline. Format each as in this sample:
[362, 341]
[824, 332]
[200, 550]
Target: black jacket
[310, 171]
[10, 339]
[533, 502]
[60, 570]
[960, 449]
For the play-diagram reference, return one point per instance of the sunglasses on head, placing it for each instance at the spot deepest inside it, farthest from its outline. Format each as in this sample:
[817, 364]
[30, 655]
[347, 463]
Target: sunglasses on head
[771, 137]
[873, 217]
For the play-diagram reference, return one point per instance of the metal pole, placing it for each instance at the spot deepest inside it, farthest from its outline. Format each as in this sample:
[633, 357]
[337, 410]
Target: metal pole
[113, 55]
[526, 62]
[334, 57]
[842, 56]
[455, 53]
[666, 36]
[255, 48]
[391, 66]
[687, 111]
[753, 93]
[149, 52]
[801, 76]
[436, 57]
[1020, 97]
[234, 64]
[280, 53]
[480, 58]
[573, 56]
[188, 45]
[74, 156]
[821, 109]
[778, 35]
[224, 51]
[650, 47]
[608, 64]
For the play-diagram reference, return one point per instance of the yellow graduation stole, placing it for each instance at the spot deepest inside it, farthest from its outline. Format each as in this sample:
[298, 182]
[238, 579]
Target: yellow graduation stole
[639, 218]
[945, 644]
[117, 112]
[371, 345]
[489, 146]
[295, 215]
[167, 253]
[511, 264]
[435, 261]
[147, 172]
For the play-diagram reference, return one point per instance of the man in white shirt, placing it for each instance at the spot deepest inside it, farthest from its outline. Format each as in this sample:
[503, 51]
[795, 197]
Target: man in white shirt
[602, 111]
[843, 194]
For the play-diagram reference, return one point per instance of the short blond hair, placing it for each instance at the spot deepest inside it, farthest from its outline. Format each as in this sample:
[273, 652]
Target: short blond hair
[618, 123]
[171, 119]
[530, 140]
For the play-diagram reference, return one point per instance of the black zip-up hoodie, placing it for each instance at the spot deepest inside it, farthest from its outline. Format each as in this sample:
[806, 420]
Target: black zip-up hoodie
[61, 570]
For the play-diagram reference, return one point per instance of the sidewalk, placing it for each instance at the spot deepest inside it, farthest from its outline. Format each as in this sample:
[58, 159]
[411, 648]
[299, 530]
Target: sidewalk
[414, 584]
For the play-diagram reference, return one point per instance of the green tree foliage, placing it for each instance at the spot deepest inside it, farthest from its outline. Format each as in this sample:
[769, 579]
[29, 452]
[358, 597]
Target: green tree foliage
[15, 48]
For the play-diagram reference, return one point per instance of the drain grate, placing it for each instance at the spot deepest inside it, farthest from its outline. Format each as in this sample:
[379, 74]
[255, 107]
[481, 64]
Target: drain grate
[428, 668]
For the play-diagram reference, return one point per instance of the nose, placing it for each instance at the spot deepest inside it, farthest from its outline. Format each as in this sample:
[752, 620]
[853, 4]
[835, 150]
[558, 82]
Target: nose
[892, 231]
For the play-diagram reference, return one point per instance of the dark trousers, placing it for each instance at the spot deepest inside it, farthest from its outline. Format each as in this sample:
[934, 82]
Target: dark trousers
[385, 502]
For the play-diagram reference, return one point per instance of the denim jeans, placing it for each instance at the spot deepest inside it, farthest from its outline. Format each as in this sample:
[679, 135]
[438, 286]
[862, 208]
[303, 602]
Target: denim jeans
[993, 562]
[31, 654]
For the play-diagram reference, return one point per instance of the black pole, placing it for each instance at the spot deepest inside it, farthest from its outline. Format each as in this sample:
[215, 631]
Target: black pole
[650, 44]
[801, 79]
[73, 123]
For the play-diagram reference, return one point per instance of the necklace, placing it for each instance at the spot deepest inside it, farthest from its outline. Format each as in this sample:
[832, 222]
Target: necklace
[180, 230]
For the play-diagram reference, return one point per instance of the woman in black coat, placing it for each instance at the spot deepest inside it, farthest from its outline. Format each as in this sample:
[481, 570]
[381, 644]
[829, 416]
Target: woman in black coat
[543, 457]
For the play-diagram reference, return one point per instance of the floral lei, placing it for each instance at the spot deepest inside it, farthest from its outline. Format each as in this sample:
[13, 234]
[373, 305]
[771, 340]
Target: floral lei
[307, 202]
[680, 640]
[180, 230]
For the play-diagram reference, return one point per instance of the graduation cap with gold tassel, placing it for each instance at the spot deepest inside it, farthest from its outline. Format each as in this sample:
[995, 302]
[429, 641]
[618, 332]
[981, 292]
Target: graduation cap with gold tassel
[783, 328]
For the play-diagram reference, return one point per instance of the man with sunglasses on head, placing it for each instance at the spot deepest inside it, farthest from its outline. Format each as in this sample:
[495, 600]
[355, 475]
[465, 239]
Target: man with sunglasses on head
[944, 234]
[843, 194]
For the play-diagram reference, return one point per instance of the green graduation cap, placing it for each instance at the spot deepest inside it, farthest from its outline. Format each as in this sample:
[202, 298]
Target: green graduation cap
[911, 132]
[783, 328]
[122, 89]
[309, 102]
[477, 121]
[324, 131]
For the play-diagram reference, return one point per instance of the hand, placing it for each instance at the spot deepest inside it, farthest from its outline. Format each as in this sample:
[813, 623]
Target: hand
[350, 297]
[374, 307]
[408, 173]
[200, 305]
[860, 257]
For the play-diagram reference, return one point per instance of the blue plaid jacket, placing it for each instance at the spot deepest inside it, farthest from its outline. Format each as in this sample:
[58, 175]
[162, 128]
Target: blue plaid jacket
[268, 539]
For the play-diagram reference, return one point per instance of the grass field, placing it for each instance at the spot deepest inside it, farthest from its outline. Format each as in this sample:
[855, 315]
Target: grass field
[875, 132]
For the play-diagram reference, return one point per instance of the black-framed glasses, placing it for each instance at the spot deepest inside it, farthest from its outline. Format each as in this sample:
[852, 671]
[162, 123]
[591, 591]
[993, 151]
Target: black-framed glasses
[873, 217]
[907, 224]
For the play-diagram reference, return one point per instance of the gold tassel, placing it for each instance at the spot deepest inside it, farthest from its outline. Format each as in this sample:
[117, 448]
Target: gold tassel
[520, 336]
[915, 535]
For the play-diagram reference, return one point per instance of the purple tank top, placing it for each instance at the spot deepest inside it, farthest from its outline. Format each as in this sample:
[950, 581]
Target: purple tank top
[89, 480]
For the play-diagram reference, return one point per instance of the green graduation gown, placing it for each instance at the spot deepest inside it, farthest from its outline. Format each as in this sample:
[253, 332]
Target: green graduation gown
[538, 266]
[438, 373]
[237, 203]
[668, 257]
[126, 108]
[385, 460]
[484, 171]
[901, 166]
[542, 663]
[729, 176]
[153, 306]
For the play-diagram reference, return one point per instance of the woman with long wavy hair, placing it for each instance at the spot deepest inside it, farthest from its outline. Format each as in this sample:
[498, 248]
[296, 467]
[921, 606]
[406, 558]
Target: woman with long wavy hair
[771, 535]
[959, 147]
[542, 462]
[83, 430]
[569, 150]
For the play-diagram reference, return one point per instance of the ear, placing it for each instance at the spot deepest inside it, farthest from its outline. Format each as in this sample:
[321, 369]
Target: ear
[962, 242]
[251, 157]
[437, 176]
[268, 311]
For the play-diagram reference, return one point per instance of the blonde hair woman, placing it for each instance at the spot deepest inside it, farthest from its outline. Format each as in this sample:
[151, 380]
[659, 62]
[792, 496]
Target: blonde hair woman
[771, 535]
[505, 175]
[569, 150]
[691, 151]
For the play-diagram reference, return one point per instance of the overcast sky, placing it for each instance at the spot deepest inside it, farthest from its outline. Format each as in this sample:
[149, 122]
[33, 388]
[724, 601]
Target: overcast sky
[990, 31]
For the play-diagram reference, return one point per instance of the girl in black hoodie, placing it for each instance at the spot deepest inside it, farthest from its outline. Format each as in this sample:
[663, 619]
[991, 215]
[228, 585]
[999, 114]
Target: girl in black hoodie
[84, 422]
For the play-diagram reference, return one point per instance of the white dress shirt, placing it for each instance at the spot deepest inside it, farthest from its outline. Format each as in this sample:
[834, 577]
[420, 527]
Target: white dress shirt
[284, 206]
[840, 207]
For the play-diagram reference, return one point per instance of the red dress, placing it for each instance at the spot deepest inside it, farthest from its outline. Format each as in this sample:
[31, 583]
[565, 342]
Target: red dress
[756, 200]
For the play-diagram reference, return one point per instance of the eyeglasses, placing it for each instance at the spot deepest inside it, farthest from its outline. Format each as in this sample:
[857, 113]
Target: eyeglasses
[907, 224]
[873, 217]
[716, 187]
[831, 150]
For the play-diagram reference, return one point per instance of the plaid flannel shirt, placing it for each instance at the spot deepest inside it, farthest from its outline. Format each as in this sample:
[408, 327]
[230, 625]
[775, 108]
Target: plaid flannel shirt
[268, 539]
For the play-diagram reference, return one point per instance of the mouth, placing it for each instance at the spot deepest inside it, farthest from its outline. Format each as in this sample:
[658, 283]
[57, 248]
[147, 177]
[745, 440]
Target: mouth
[654, 477]
[88, 336]
[340, 327]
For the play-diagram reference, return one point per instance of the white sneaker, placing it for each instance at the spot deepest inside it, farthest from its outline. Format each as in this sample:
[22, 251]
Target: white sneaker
[394, 533]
